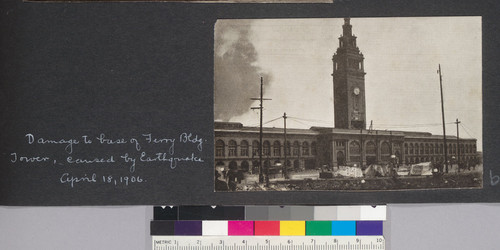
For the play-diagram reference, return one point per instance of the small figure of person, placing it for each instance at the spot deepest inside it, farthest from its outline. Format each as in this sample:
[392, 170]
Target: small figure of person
[232, 179]
[439, 166]
[220, 185]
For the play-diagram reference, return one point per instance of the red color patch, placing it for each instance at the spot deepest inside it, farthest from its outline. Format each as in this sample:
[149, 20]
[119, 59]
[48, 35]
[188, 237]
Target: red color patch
[267, 228]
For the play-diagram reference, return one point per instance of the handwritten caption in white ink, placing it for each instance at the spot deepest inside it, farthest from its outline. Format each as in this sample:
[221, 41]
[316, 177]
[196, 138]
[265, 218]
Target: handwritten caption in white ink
[120, 155]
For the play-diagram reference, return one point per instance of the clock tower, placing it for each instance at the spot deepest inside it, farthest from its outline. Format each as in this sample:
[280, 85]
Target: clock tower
[348, 82]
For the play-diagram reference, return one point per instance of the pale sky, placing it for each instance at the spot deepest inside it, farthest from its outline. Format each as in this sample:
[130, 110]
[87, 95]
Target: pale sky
[401, 62]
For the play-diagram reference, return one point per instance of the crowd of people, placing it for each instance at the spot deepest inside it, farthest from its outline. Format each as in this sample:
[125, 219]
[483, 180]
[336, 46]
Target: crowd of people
[227, 180]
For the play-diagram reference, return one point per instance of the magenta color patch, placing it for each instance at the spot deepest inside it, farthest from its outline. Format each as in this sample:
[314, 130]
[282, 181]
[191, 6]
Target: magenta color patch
[240, 227]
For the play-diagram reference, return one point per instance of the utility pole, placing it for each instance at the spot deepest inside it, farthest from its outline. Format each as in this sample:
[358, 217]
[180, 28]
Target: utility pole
[261, 109]
[377, 153]
[392, 158]
[370, 130]
[361, 149]
[285, 169]
[390, 142]
[458, 147]
[442, 114]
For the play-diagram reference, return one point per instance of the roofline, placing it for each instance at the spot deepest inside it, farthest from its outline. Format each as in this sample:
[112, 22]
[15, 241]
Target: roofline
[239, 128]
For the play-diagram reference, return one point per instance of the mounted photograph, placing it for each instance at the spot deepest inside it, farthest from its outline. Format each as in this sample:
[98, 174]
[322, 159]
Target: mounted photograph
[348, 104]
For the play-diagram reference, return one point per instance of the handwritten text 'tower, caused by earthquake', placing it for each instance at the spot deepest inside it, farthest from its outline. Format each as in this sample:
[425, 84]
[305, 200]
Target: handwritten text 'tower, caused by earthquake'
[88, 159]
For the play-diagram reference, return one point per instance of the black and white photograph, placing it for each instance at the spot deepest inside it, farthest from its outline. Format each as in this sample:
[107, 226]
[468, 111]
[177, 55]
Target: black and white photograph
[348, 104]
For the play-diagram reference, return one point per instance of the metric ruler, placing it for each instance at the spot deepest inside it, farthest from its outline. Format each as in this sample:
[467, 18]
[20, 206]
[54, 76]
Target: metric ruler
[268, 243]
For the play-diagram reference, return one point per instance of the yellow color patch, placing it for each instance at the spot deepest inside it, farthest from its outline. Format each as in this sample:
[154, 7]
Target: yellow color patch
[292, 228]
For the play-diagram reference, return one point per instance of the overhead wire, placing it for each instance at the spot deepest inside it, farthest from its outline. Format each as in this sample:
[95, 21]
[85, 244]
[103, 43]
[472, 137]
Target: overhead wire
[272, 120]
[466, 130]
[381, 126]
[298, 121]
[309, 120]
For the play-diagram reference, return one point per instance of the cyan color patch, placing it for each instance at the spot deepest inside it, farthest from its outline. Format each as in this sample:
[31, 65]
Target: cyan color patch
[343, 228]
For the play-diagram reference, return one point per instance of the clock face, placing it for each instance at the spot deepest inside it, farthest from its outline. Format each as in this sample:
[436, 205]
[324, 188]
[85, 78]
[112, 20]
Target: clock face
[356, 91]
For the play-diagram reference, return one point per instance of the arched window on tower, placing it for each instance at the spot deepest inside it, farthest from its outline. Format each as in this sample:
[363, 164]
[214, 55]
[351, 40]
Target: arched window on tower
[232, 148]
[276, 148]
[354, 151]
[244, 148]
[266, 148]
[371, 149]
[219, 148]
[305, 148]
[296, 148]
[255, 148]
[385, 151]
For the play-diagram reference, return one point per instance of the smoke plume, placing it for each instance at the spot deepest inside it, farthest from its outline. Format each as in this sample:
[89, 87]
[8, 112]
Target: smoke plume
[236, 73]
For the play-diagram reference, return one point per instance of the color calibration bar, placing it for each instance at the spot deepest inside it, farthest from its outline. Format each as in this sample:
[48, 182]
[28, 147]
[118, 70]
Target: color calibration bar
[267, 228]
[269, 243]
[274, 213]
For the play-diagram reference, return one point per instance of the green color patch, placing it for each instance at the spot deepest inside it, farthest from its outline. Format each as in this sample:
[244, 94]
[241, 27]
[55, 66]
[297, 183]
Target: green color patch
[318, 228]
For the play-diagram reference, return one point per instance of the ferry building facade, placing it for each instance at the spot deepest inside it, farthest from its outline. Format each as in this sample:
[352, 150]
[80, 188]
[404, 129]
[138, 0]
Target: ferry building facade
[348, 143]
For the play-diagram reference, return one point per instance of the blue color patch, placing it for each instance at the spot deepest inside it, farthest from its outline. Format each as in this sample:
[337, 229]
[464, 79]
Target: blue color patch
[369, 228]
[187, 227]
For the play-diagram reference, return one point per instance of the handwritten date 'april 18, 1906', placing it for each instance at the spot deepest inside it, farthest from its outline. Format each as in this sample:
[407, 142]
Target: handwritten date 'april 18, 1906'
[146, 149]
